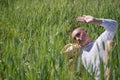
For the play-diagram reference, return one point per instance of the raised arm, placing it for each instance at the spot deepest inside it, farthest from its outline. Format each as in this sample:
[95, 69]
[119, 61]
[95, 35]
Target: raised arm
[108, 24]
[89, 19]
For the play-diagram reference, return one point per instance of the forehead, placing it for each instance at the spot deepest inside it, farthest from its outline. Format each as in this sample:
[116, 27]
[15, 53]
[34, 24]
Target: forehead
[76, 31]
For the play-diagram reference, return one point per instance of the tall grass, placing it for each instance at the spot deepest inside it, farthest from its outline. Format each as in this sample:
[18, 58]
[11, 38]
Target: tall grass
[33, 33]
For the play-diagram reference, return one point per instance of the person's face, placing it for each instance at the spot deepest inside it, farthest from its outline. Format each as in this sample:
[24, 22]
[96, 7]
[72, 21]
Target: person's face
[80, 36]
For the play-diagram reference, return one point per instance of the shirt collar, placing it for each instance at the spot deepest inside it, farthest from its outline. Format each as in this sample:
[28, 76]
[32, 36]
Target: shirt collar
[88, 46]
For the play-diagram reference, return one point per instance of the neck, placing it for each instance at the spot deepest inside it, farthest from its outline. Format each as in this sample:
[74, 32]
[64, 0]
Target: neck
[89, 40]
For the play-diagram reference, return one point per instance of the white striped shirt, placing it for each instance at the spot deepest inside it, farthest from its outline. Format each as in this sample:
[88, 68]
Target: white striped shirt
[94, 51]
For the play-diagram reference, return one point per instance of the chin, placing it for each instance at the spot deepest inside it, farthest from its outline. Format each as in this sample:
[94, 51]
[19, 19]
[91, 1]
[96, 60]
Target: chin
[83, 45]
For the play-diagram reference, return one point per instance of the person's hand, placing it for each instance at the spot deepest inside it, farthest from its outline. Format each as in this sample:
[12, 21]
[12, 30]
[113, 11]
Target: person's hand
[86, 19]
[72, 50]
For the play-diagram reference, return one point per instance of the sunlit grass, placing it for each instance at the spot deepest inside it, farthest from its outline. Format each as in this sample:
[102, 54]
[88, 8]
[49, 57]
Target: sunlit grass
[33, 33]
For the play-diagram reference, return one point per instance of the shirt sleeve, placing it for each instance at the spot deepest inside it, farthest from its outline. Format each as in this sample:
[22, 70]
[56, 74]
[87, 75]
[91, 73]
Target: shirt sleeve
[110, 27]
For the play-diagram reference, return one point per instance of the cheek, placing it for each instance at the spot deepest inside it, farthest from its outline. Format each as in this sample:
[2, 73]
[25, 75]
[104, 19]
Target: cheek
[84, 35]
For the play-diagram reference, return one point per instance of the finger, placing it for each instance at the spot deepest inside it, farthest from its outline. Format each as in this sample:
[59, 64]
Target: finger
[88, 19]
[80, 19]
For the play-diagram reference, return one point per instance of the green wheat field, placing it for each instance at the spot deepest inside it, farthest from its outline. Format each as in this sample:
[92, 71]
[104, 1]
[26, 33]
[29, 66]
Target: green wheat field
[34, 32]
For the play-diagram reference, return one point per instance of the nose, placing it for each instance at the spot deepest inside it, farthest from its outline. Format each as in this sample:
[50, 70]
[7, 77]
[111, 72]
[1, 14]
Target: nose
[79, 38]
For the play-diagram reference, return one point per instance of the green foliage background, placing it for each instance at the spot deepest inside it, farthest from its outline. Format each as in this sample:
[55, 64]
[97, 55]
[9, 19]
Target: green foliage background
[33, 33]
